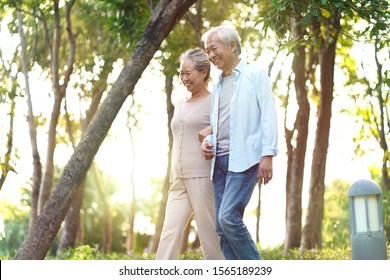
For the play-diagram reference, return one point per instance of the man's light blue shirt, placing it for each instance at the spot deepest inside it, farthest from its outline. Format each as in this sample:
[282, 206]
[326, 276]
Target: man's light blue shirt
[253, 120]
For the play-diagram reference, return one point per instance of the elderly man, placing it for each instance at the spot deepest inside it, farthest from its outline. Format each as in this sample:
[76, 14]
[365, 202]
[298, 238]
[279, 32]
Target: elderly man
[243, 139]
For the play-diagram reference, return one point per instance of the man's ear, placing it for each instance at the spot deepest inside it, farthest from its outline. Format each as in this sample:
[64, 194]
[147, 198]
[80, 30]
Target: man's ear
[233, 46]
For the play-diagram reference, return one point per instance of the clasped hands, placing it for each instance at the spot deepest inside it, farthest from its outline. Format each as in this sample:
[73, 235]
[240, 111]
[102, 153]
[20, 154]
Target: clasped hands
[206, 147]
[264, 174]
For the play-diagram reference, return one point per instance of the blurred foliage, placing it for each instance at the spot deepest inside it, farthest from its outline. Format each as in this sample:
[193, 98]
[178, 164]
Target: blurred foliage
[375, 12]
[386, 213]
[14, 221]
[87, 252]
[336, 222]
[377, 177]
[128, 16]
[109, 23]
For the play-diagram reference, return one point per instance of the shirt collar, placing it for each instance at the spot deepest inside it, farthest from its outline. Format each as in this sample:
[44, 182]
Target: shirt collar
[238, 69]
[240, 66]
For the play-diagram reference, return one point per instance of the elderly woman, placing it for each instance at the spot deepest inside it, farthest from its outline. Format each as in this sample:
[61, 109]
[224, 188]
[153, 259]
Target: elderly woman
[191, 190]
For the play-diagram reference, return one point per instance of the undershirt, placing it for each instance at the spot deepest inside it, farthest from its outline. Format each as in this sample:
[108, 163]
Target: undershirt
[223, 139]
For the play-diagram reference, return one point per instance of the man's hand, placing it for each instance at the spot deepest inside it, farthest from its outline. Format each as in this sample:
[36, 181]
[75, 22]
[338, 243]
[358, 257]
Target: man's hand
[265, 170]
[207, 150]
[204, 132]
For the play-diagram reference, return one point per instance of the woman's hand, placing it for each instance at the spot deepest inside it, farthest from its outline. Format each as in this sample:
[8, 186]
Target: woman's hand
[207, 150]
[204, 132]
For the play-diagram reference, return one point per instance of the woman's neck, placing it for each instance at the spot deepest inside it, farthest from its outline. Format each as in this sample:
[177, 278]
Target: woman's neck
[195, 96]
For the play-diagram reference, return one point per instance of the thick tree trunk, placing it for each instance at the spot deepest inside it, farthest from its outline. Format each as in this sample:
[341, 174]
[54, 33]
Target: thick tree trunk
[163, 19]
[70, 233]
[71, 229]
[312, 235]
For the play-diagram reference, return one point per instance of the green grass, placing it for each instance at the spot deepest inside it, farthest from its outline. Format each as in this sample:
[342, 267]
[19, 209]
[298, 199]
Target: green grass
[86, 252]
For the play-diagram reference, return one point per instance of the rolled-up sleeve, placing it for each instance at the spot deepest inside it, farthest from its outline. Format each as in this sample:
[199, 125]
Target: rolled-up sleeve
[268, 121]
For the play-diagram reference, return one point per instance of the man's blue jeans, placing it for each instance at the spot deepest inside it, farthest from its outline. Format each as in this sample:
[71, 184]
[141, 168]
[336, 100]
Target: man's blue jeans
[232, 192]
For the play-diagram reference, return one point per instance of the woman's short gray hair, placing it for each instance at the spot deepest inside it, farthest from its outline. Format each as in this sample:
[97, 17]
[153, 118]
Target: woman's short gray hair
[226, 34]
[200, 59]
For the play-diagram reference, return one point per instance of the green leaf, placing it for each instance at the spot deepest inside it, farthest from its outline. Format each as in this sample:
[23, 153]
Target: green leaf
[298, 8]
[315, 12]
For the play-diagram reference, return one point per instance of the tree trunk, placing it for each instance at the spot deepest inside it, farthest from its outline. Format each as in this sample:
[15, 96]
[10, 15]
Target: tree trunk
[6, 167]
[37, 173]
[296, 153]
[196, 244]
[70, 234]
[312, 236]
[164, 17]
[130, 239]
[59, 93]
[107, 219]
[383, 124]
[161, 216]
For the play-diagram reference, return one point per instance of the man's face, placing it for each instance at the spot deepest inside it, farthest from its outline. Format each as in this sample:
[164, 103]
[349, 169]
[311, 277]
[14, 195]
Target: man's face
[220, 54]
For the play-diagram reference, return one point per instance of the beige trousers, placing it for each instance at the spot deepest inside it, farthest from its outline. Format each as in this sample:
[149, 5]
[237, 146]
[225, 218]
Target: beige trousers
[188, 197]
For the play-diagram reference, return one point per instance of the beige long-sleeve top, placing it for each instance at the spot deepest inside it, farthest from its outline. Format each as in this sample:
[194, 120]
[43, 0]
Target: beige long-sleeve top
[187, 121]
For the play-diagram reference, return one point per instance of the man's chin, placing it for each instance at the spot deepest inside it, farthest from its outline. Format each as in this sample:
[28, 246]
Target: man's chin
[218, 65]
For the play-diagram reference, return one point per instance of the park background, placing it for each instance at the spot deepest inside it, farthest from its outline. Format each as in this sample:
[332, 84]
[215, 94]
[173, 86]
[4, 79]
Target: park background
[119, 214]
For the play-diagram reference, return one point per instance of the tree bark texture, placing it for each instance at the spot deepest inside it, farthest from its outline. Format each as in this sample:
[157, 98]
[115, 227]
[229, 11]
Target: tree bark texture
[296, 141]
[296, 154]
[69, 235]
[164, 17]
[71, 228]
[312, 236]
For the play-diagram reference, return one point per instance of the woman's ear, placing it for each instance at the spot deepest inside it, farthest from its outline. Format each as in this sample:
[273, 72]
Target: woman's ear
[204, 74]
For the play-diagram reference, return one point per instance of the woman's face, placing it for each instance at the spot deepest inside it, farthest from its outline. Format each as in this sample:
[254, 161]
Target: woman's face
[192, 79]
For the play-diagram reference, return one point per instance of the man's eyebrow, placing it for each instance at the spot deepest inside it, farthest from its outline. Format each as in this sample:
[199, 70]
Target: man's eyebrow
[213, 45]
